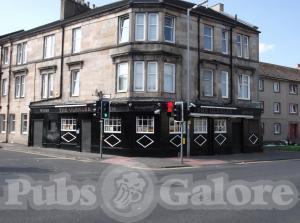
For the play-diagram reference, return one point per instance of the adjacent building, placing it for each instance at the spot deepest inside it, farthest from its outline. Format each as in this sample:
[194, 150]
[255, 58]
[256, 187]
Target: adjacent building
[278, 88]
[133, 53]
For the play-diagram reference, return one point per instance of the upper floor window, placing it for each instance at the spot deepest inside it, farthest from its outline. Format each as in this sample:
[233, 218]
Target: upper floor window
[75, 83]
[208, 81]
[277, 107]
[152, 77]
[21, 53]
[169, 29]
[153, 27]
[76, 44]
[140, 27]
[242, 42]
[122, 79]
[276, 87]
[20, 86]
[277, 128]
[208, 38]
[5, 55]
[200, 126]
[49, 46]
[225, 41]
[4, 87]
[261, 85]
[169, 78]
[113, 125]
[47, 85]
[293, 109]
[244, 87]
[139, 76]
[124, 30]
[224, 84]
[262, 106]
[293, 89]
[145, 124]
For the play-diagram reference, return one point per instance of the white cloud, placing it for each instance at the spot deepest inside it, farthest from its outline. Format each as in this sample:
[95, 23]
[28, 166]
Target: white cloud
[264, 47]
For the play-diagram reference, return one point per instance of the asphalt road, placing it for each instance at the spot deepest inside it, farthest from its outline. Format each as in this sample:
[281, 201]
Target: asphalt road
[13, 164]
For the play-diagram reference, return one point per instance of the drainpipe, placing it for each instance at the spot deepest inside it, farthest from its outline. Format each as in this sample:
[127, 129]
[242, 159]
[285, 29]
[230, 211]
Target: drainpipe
[231, 66]
[1, 52]
[199, 57]
[8, 91]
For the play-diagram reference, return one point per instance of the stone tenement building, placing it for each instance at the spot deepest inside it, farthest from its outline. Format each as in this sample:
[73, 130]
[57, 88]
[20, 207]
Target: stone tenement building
[135, 53]
[279, 97]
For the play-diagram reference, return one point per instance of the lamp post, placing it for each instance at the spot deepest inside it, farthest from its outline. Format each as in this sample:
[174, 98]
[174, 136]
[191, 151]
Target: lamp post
[188, 74]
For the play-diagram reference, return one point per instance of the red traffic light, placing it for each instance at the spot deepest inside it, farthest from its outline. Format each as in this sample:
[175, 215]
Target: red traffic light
[170, 107]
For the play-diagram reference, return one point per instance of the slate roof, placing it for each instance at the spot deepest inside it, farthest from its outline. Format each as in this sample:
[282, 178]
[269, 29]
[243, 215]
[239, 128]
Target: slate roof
[279, 72]
[179, 4]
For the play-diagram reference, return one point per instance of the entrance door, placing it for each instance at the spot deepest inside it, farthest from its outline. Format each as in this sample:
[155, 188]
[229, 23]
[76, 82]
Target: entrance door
[38, 133]
[237, 138]
[293, 129]
[86, 136]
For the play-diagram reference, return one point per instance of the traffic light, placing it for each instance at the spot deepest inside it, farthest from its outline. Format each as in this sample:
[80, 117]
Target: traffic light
[97, 109]
[170, 108]
[178, 112]
[105, 110]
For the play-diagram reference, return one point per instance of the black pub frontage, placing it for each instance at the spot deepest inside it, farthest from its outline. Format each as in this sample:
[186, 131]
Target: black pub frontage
[144, 127]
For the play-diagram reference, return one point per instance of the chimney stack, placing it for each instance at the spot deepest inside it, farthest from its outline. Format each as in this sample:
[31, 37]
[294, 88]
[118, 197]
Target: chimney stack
[218, 7]
[70, 8]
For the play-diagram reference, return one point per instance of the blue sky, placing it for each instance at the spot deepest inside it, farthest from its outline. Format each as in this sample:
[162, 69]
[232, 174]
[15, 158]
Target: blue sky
[278, 22]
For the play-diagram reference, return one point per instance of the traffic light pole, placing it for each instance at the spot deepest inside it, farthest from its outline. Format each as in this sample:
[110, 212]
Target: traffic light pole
[181, 147]
[101, 138]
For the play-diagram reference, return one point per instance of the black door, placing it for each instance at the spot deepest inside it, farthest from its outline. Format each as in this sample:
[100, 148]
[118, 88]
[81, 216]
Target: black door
[38, 133]
[86, 138]
[237, 133]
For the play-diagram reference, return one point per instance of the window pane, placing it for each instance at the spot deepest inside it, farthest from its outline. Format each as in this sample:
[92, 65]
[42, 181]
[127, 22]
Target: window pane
[76, 40]
[122, 77]
[139, 76]
[124, 30]
[208, 38]
[140, 27]
[224, 84]
[208, 82]
[152, 76]
[153, 29]
[169, 78]
[169, 29]
[75, 83]
[239, 45]
[225, 41]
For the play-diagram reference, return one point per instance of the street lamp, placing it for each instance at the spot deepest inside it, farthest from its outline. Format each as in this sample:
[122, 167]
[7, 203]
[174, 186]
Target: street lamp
[188, 73]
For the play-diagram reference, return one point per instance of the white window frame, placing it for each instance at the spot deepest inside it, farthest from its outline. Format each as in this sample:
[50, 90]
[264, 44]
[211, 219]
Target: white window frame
[276, 107]
[220, 126]
[243, 46]
[172, 91]
[293, 89]
[49, 43]
[5, 55]
[21, 53]
[200, 126]
[145, 129]
[156, 25]
[156, 76]
[211, 80]
[277, 128]
[125, 76]
[123, 28]
[4, 87]
[113, 125]
[12, 123]
[68, 124]
[20, 86]
[24, 124]
[261, 85]
[135, 78]
[175, 127]
[276, 87]
[239, 43]
[48, 86]
[172, 29]
[76, 40]
[242, 77]
[140, 25]
[226, 84]
[246, 50]
[225, 41]
[75, 84]
[293, 109]
[211, 36]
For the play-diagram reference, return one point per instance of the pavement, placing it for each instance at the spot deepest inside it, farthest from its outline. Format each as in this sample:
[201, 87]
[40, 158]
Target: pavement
[157, 162]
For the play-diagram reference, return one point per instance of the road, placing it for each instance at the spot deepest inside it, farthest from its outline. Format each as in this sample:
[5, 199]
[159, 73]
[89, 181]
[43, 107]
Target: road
[14, 164]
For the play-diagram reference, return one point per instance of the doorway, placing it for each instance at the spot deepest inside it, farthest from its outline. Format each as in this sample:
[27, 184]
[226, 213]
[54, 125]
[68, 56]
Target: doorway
[293, 131]
[237, 136]
[38, 133]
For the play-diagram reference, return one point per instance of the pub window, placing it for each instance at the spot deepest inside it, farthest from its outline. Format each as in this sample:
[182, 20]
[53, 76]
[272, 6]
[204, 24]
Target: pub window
[113, 125]
[124, 30]
[145, 124]
[293, 89]
[4, 87]
[2, 123]
[75, 83]
[47, 85]
[277, 128]
[220, 126]
[20, 86]
[21, 53]
[24, 124]
[12, 123]
[68, 124]
[175, 127]
[169, 29]
[200, 126]
[52, 126]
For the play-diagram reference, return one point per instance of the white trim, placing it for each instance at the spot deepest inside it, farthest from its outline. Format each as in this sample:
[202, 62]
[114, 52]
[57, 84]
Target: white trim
[134, 76]
[212, 82]
[173, 91]
[198, 115]
[157, 26]
[249, 87]
[70, 106]
[214, 107]
[156, 79]
[227, 84]
[118, 76]
[144, 27]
